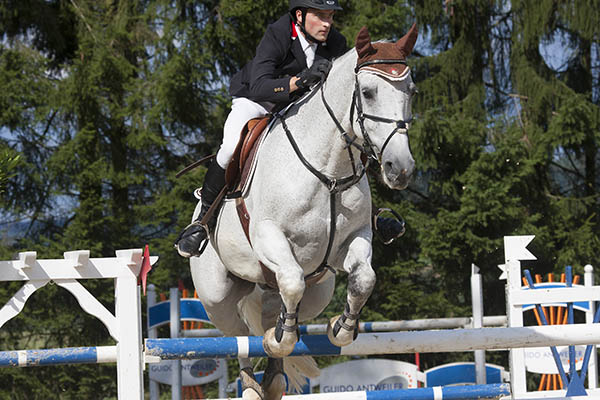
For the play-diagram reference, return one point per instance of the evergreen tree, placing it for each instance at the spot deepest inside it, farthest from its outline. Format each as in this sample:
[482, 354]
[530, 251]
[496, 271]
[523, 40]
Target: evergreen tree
[104, 101]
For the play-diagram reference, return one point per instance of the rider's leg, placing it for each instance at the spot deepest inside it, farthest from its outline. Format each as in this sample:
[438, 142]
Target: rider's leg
[242, 110]
[189, 241]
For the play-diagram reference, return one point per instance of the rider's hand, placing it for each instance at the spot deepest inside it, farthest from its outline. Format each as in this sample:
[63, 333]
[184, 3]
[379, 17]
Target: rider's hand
[314, 74]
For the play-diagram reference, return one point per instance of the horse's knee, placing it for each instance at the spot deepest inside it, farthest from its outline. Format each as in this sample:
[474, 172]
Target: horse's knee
[361, 282]
[291, 286]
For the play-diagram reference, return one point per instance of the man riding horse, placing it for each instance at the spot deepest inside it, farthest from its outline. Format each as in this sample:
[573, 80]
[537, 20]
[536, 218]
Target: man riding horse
[294, 54]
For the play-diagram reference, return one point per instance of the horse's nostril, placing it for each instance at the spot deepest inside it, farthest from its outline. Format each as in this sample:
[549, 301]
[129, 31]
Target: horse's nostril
[388, 166]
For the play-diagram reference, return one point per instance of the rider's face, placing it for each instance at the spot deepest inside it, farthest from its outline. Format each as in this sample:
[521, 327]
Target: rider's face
[318, 23]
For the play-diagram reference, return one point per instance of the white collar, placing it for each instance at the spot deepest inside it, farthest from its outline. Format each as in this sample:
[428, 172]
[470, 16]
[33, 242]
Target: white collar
[303, 42]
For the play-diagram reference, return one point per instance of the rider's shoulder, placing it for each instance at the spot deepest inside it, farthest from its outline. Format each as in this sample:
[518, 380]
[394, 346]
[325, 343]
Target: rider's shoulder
[282, 27]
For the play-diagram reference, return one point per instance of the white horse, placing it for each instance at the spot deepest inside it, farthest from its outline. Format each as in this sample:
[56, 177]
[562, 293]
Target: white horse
[310, 206]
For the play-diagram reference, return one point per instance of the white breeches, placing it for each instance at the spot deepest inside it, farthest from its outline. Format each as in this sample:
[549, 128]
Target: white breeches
[242, 111]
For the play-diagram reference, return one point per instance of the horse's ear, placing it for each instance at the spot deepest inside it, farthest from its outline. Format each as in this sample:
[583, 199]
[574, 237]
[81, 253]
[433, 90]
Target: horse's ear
[407, 42]
[364, 47]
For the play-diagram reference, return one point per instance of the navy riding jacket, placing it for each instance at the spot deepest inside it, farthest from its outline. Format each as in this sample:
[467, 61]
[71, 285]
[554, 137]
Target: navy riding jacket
[279, 57]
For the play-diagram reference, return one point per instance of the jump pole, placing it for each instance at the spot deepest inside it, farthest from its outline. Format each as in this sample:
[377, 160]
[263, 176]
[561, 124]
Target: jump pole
[435, 393]
[456, 340]
[74, 355]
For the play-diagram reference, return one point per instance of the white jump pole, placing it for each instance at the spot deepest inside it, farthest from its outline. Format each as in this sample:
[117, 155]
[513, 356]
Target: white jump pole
[477, 304]
[456, 340]
[174, 325]
[588, 280]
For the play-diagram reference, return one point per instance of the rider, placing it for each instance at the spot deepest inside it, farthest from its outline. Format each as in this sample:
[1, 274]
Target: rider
[294, 53]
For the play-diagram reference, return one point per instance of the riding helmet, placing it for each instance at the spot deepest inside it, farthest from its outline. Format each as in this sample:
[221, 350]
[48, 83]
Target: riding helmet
[317, 4]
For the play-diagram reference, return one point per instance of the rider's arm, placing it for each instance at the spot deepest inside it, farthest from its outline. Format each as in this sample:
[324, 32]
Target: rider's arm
[265, 84]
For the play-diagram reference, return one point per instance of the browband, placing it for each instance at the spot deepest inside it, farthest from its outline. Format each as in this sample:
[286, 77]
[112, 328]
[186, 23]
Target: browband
[372, 62]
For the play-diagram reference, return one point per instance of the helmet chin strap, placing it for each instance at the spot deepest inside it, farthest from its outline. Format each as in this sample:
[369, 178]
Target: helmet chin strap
[307, 35]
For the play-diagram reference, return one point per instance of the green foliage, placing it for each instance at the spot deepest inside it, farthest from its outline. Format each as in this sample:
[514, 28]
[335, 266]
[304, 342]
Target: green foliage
[102, 102]
[8, 163]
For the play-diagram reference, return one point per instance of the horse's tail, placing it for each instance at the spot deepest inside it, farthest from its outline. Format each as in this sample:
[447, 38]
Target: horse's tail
[297, 369]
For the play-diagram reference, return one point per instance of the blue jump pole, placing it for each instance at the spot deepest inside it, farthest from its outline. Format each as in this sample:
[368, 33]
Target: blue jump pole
[75, 355]
[468, 392]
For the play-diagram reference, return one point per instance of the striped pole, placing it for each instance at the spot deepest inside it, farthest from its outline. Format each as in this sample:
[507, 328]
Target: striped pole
[380, 326]
[455, 340]
[75, 355]
[435, 393]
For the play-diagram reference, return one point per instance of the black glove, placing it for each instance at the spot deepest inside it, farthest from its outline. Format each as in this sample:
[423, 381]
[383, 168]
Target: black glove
[309, 76]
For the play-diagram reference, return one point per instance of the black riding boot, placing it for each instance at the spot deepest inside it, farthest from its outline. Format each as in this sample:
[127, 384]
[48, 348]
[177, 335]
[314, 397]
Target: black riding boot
[189, 241]
[388, 229]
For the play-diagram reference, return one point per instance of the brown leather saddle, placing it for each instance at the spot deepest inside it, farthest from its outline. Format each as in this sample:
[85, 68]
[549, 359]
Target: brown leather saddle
[239, 171]
[240, 165]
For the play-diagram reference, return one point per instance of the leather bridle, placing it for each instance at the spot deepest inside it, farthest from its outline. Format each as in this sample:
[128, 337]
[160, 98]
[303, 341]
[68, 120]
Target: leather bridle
[401, 125]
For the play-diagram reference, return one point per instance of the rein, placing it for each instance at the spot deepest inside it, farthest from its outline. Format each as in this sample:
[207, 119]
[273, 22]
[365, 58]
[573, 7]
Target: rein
[338, 185]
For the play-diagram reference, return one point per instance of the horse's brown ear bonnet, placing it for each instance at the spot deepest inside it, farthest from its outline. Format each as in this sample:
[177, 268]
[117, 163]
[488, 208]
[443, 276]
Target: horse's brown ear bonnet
[383, 57]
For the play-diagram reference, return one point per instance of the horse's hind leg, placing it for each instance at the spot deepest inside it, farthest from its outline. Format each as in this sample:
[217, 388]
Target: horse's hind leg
[273, 250]
[342, 329]
[273, 383]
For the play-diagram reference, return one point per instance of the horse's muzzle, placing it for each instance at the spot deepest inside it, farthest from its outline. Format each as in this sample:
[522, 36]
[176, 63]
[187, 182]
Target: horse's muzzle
[397, 176]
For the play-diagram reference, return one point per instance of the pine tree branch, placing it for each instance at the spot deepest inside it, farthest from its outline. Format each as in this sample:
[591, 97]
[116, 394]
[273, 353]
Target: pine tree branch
[413, 191]
[565, 169]
[84, 20]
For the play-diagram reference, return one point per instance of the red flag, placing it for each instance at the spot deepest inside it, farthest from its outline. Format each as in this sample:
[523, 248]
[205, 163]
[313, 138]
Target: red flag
[146, 267]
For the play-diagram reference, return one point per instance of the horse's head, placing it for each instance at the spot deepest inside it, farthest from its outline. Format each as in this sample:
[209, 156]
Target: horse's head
[384, 89]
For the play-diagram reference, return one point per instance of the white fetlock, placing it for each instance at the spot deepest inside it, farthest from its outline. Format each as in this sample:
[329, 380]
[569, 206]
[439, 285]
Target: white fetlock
[344, 336]
[279, 349]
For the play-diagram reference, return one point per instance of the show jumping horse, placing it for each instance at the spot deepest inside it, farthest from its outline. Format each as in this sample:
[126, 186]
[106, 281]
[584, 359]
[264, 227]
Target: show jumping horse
[309, 208]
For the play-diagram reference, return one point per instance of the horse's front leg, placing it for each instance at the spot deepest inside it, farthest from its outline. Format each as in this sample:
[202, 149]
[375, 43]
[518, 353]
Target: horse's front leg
[273, 250]
[342, 329]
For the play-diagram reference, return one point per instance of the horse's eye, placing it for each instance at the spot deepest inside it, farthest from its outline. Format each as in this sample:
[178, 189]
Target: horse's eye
[368, 94]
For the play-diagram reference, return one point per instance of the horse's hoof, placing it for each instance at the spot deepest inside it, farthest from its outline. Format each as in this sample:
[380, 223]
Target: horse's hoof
[251, 390]
[281, 349]
[250, 394]
[276, 388]
[343, 338]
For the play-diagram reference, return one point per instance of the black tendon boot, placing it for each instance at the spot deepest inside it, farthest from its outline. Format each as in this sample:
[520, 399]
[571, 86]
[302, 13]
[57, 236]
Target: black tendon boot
[189, 241]
[388, 229]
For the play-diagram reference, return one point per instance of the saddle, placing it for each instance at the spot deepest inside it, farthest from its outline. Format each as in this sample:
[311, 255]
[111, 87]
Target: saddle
[240, 167]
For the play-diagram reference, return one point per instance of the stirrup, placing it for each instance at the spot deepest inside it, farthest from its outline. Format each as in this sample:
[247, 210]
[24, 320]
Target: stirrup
[398, 218]
[201, 246]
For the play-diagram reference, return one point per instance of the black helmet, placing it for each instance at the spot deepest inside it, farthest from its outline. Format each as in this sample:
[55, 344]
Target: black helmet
[318, 4]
